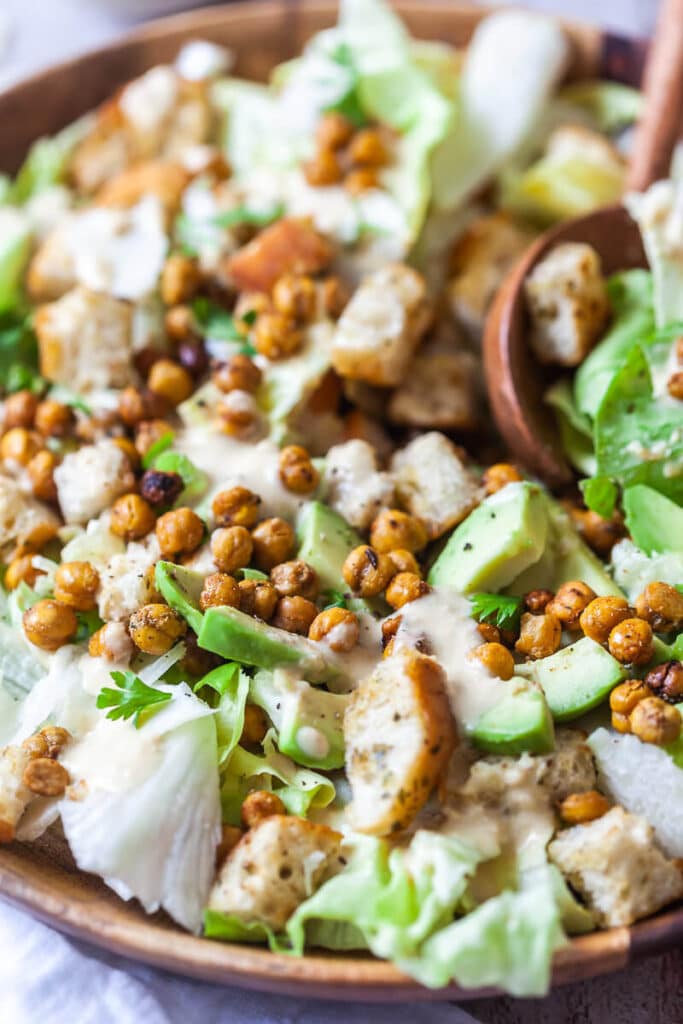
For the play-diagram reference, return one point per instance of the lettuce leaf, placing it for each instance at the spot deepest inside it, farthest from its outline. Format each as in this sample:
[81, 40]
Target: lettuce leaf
[47, 161]
[609, 105]
[658, 214]
[15, 249]
[575, 428]
[229, 928]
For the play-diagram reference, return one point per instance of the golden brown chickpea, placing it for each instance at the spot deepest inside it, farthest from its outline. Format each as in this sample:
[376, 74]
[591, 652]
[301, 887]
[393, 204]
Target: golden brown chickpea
[237, 506]
[45, 777]
[579, 808]
[112, 642]
[599, 618]
[196, 661]
[674, 385]
[231, 547]
[297, 472]
[390, 628]
[230, 837]
[41, 471]
[536, 601]
[323, 169]
[258, 805]
[338, 627]
[131, 517]
[489, 632]
[276, 336]
[655, 721]
[20, 445]
[569, 601]
[259, 598]
[626, 695]
[36, 539]
[148, 433]
[294, 296]
[250, 304]
[54, 419]
[76, 585]
[180, 279]
[56, 738]
[333, 131]
[367, 572]
[219, 589]
[393, 529]
[404, 588]
[600, 534]
[500, 475]
[171, 381]
[255, 725]
[20, 410]
[540, 635]
[136, 405]
[21, 570]
[295, 614]
[49, 624]
[335, 296]
[238, 414]
[273, 542]
[662, 606]
[621, 722]
[35, 746]
[361, 180]
[404, 561]
[666, 681]
[180, 324]
[631, 642]
[160, 488]
[179, 532]
[367, 148]
[129, 450]
[154, 628]
[239, 373]
[496, 658]
[295, 578]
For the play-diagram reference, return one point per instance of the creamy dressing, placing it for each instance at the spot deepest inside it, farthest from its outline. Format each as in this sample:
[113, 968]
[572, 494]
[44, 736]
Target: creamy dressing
[113, 757]
[360, 662]
[200, 59]
[312, 742]
[149, 100]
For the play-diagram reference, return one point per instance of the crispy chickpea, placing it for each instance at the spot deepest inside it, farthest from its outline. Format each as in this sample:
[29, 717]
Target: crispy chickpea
[35, 746]
[230, 837]
[180, 279]
[238, 414]
[259, 598]
[295, 614]
[237, 506]
[112, 642]
[76, 585]
[49, 624]
[219, 589]
[36, 539]
[626, 695]
[666, 681]
[335, 296]
[393, 529]
[323, 169]
[674, 385]
[662, 606]
[333, 131]
[129, 450]
[599, 618]
[180, 325]
[170, 380]
[250, 305]
[21, 570]
[294, 296]
[569, 601]
[655, 721]
[54, 419]
[367, 148]
[500, 475]
[179, 532]
[45, 777]
[158, 487]
[255, 725]
[496, 658]
[295, 578]
[297, 472]
[258, 805]
[390, 628]
[367, 572]
[539, 636]
[131, 517]
[600, 534]
[630, 642]
[621, 722]
[489, 632]
[536, 601]
[231, 547]
[136, 405]
[273, 541]
[404, 588]
[154, 628]
[579, 808]
[338, 627]
[20, 445]
[361, 180]
[148, 433]
[20, 410]
[239, 373]
[276, 336]
[41, 471]
[56, 738]
[404, 561]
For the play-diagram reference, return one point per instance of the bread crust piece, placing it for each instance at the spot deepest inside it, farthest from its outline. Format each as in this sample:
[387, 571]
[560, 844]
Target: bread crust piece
[354, 485]
[290, 246]
[162, 178]
[25, 523]
[399, 734]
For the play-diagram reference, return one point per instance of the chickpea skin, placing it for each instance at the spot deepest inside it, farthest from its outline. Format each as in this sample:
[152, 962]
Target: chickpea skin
[132, 517]
[666, 681]
[599, 618]
[367, 572]
[219, 590]
[21, 570]
[496, 658]
[154, 628]
[630, 642]
[655, 721]
[259, 598]
[20, 410]
[539, 636]
[41, 471]
[393, 529]
[49, 624]
[180, 279]
[333, 131]
[76, 585]
[136, 405]
[569, 601]
[294, 296]
[180, 325]
[367, 148]
[239, 373]
[171, 381]
[111, 641]
[20, 445]
[488, 632]
[276, 336]
[45, 777]
[158, 487]
[404, 561]
[662, 606]
[361, 180]
[238, 414]
[148, 433]
[338, 627]
[536, 601]
[297, 472]
[323, 169]
[54, 419]
[35, 746]
[626, 695]
[237, 506]
[335, 296]
[255, 725]
[600, 534]
[579, 808]
[499, 475]
[179, 532]
[231, 548]
[404, 588]
[260, 804]
[55, 738]
[296, 578]
[674, 385]
[295, 614]
[273, 541]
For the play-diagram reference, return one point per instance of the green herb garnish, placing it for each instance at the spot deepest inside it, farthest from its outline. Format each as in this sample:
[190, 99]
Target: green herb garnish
[498, 609]
[246, 215]
[215, 322]
[155, 450]
[254, 574]
[132, 698]
[335, 599]
[600, 494]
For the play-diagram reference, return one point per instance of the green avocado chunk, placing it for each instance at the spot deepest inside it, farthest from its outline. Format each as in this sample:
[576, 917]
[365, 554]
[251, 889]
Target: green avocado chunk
[325, 539]
[181, 588]
[518, 724]
[576, 678]
[654, 521]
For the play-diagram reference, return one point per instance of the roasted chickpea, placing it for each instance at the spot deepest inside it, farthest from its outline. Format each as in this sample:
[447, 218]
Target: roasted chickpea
[367, 148]
[500, 475]
[21, 570]
[54, 419]
[45, 777]
[231, 547]
[49, 624]
[273, 541]
[250, 305]
[323, 169]
[259, 598]
[578, 808]
[36, 539]
[496, 658]
[569, 601]
[219, 589]
[131, 517]
[333, 131]
[599, 618]
[237, 506]
[404, 561]
[655, 721]
[297, 472]
[393, 529]
[148, 433]
[196, 661]
[76, 585]
[255, 725]
[390, 628]
[295, 578]
[621, 722]
[171, 381]
[404, 588]
[294, 296]
[662, 606]
[112, 642]
[20, 410]
[626, 695]
[674, 385]
[179, 532]
[666, 681]
[260, 804]
[367, 572]
[230, 837]
[600, 534]
[56, 738]
[295, 614]
[41, 471]
[489, 632]
[35, 746]
[335, 296]
[361, 180]
[180, 324]
[136, 405]
[20, 445]
[539, 636]
[630, 642]
[160, 488]
[154, 628]
[338, 627]
[276, 336]
[180, 279]
[239, 373]
[238, 414]
[536, 601]
[129, 450]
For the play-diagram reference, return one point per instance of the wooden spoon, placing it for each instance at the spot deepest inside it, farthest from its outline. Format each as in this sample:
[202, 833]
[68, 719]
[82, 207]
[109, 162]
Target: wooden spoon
[515, 380]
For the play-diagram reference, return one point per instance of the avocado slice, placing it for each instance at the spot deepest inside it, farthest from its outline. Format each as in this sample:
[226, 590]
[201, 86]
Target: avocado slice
[576, 678]
[181, 587]
[498, 541]
[325, 539]
[653, 520]
[520, 723]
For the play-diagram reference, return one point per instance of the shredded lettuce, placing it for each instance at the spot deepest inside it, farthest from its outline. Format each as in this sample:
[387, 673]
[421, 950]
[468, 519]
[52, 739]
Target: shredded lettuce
[658, 213]
[47, 161]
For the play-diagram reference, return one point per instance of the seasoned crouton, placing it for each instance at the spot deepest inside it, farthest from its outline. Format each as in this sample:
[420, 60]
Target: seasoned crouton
[14, 795]
[127, 581]
[90, 479]
[24, 522]
[570, 768]
[290, 246]
[399, 735]
[567, 300]
[353, 485]
[51, 272]
[381, 326]
[433, 484]
[616, 866]
[162, 178]
[84, 340]
[105, 151]
[278, 864]
[440, 390]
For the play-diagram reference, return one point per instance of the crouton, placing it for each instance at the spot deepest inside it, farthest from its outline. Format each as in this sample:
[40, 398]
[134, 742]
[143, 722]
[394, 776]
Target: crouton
[617, 868]
[567, 300]
[353, 485]
[51, 272]
[290, 246]
[106, 150]
[127, 581]
[399, 735]
[278, 864]
[381, 326]
[440, 390]
[433, 483]
[91, 479]
[570, 768]
[14, 795]
[24, 522]
[84, 340]
[162, 178]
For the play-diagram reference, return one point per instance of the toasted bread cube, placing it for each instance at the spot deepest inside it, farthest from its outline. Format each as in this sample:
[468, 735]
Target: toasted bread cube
[14, 795]
[570, 768]
[162, 178]
[278, 864]
[354, 486]
[616, 866]
[105, 151]
[433, 483]
[381, 326]
[399, 735]
[24, 522]
[90, 479]
[567, 300]
[440, 390]
[290, 246]
[127, 581]
[51, 272]
[84, 340]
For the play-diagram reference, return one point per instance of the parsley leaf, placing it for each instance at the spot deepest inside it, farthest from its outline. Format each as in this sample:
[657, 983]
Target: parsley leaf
[497, 609]
[336, 599]
[214, 321]
[679, 587]
[18, 354]
[131, 699]
[600, 494]
[245, 215]
[349, 103]
[155, 450]
[253, 574]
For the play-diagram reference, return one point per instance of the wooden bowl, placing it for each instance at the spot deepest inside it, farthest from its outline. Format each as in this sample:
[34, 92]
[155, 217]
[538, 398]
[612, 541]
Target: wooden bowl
[41, 877]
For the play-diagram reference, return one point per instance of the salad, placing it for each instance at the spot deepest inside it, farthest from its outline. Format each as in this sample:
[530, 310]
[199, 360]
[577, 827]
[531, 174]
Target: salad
[287, 648]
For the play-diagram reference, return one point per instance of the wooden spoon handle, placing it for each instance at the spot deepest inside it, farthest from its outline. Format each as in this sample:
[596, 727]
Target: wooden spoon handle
[660, 124]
